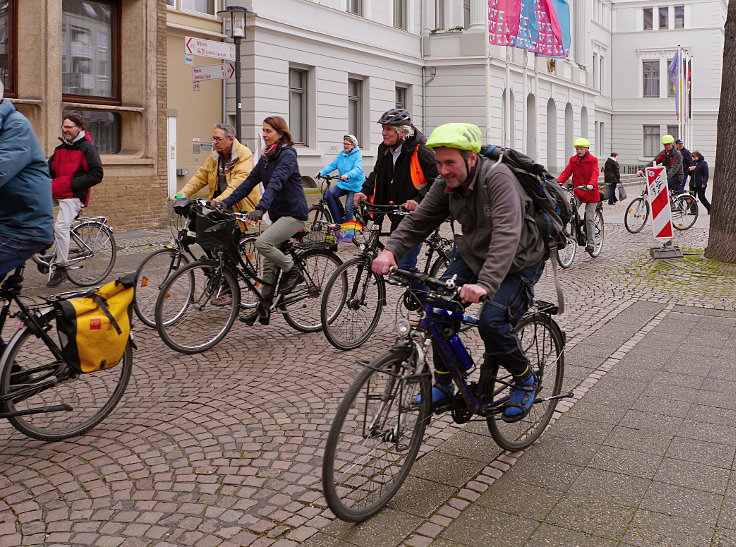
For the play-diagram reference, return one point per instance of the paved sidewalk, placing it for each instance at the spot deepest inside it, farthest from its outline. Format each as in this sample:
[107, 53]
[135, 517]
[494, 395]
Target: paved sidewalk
[225, 447]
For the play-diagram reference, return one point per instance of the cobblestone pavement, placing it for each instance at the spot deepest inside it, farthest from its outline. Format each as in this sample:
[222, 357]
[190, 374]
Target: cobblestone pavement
[225, 447]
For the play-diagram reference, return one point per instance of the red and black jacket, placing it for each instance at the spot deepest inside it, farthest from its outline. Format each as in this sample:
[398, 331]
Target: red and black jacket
[75, 168]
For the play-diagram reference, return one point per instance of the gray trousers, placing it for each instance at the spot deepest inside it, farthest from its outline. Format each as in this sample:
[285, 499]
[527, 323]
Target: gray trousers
[68, 211]
[590, 223]
[268, 246]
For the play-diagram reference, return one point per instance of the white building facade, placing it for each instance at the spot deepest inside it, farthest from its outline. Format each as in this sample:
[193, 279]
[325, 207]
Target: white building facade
[332, 67]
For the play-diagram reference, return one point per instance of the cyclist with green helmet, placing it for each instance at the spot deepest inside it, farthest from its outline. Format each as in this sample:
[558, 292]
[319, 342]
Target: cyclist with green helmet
[671, 159]
[583, 167]
[499, 257]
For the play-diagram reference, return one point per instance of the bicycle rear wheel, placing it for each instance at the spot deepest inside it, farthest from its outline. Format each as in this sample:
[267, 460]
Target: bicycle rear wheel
[254, 266]
[150, 277]
[599, 233]
[352, 304]
[74, 403]
[301, 307]
[637, 213]
[542, 344]
[684, 212]
[186, 318]
[566, 256]
[92, 253]
[376, 435]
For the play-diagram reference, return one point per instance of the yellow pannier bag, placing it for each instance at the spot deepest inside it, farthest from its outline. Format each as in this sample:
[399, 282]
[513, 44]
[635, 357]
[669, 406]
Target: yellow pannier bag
[94, 329]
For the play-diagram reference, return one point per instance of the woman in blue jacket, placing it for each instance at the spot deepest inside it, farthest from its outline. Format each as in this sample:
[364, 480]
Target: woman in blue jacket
[349, 164]
[286, 204]
[699, 178]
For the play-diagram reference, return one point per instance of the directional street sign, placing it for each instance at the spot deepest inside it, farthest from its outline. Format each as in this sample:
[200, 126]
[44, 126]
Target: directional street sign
[213, 72]
[209, 48]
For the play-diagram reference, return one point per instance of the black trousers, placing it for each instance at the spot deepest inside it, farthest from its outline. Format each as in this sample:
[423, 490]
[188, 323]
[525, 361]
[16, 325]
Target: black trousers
[701, 196]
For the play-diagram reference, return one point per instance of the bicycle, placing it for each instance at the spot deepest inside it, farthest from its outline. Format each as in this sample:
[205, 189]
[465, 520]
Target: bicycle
[42, 395]
[320, 211]
[683, 205]
[354, 297]
[188, 320]
[379, 425]
[92, 252]
[156, 268]
[576, 232]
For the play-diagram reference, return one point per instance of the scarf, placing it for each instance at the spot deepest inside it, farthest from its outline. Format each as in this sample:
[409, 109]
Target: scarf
[271, 151]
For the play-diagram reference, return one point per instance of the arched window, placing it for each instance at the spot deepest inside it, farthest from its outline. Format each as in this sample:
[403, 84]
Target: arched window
[531, 125]
[551, 136]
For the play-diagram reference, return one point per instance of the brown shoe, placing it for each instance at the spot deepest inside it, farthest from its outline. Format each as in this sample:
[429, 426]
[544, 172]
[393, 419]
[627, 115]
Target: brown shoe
[222, 300]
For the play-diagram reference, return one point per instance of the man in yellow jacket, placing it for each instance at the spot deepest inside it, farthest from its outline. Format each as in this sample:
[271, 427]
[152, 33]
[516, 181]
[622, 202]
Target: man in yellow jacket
[229, 164]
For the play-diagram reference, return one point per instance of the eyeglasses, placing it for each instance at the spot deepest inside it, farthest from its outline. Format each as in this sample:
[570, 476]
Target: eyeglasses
[68, 126]
[218, 139]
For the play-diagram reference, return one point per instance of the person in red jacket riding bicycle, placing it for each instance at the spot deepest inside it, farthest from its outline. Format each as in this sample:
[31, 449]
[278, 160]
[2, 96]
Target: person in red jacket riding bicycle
[75, 167]
[583, 167]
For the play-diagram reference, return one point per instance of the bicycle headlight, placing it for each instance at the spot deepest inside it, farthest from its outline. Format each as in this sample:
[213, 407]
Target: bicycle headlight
[403, 326]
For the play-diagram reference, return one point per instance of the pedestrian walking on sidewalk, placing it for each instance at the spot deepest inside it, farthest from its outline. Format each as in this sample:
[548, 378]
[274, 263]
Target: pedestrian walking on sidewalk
[699, 178]
[612, 177]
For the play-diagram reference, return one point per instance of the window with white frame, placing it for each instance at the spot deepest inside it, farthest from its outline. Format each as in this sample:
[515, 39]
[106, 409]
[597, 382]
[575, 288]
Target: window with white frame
[664, 17]
[439, 14]
[673, 130]
[401, 97]
[651, 140]
[400, 14]
[355, 7]
[602, 74]
[648, 18]
[298, 106]
[650, 78]
[595, 71]
[170, 2]
[679, 16]
[355, 107]
[200, 6]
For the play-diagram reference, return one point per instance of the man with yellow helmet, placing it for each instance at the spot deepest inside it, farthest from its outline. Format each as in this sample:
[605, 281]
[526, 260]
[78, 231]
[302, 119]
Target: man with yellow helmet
[499, 258]
[583, 167]
[671, 159]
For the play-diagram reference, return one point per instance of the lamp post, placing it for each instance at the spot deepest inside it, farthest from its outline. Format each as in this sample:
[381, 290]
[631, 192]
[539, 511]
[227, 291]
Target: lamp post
[233, 25]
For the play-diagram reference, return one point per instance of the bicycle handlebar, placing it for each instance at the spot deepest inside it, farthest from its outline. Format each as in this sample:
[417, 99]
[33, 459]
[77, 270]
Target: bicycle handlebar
[388, 208]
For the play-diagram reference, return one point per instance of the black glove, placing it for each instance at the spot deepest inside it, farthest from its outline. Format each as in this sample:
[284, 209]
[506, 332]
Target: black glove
[256, 215]
[181, 206]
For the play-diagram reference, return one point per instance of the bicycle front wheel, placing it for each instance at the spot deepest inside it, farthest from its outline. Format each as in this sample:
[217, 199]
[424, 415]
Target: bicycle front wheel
[637, 213]
[352, 304]
[53, 402]
[566, 255]
[92, 253]
[318, 215]
[254, 267]
[376, 435]
[150, 277]
[542, 344]
[599, 233]
[301, 307]
[684, 212]
[197, 306]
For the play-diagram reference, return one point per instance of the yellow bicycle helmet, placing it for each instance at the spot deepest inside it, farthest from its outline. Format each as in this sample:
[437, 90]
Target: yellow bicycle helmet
[668, 139]
[581, 143]
[463, 136]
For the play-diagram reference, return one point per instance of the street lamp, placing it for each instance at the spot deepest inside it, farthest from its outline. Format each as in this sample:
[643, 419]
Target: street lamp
[233, 25]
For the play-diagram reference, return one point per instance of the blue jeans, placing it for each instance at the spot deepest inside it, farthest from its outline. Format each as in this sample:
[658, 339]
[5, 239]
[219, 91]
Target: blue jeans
[499, 316]
[14, 252]
[349, 207]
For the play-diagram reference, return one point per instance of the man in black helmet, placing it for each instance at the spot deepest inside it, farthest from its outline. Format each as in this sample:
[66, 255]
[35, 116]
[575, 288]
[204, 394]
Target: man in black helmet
[404, 170]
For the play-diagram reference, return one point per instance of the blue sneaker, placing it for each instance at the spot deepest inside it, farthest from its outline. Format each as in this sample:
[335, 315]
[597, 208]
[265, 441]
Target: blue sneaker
[521, 400]
[440, 393]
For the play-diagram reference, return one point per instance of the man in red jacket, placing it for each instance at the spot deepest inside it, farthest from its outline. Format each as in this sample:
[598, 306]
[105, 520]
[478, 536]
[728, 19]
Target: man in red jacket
[583, 167]
[75, 167]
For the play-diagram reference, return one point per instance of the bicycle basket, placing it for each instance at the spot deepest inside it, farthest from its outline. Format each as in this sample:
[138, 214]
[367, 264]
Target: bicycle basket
[319, 235]
[214, 229]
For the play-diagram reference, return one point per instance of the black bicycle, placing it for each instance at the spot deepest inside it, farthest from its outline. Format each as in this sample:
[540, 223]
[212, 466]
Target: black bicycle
[379, 426]
[192, 317]
[354, 297]
[320, 213]
[576, 231]
[156, 268]
[41, 394]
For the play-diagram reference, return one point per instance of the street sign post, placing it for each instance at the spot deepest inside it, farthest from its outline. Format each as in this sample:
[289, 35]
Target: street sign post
[659, 202]
[213, 72]
[209, 48]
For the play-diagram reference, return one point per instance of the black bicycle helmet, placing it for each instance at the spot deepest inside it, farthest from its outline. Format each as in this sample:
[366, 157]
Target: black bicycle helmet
[395, 116]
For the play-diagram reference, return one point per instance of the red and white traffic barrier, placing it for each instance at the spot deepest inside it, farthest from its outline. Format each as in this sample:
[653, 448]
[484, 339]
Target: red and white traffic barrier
[659, 202]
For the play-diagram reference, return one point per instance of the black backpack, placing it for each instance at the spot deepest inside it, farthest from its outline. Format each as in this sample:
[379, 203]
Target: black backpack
[551, 203]
[553, 210]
